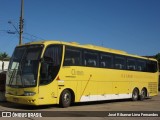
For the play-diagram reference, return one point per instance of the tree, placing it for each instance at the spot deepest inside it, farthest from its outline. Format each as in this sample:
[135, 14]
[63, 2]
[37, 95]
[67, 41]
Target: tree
[3, 55]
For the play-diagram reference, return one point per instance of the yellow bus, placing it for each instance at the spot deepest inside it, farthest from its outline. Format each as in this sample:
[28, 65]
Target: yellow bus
[55, 72]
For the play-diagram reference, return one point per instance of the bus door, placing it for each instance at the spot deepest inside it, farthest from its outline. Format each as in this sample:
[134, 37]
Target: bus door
[50, 66]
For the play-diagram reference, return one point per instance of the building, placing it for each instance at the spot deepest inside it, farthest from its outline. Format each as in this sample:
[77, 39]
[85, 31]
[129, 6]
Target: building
[3, 66]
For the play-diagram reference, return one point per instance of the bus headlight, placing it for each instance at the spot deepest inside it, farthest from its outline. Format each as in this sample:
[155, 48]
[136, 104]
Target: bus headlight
[28, 93]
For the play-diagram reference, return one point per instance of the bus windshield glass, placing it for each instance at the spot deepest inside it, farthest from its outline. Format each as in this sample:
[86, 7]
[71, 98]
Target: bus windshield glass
[23, 67]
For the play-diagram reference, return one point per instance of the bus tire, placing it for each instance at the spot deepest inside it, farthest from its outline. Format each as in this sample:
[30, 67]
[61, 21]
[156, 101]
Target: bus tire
[143, 94]
[135, 94]
[65, 99]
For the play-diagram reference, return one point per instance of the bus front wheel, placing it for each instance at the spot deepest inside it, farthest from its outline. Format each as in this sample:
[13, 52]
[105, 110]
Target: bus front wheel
[65, 99]
[135, 94]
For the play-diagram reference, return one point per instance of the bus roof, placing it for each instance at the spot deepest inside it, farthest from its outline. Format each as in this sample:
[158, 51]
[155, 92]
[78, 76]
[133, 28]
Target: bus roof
[87, 46]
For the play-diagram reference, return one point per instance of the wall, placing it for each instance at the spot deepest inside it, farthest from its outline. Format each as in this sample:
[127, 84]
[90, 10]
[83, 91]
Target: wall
[6, 63]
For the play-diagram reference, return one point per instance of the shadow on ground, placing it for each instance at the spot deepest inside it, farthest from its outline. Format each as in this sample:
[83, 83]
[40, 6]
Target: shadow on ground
[30, 107]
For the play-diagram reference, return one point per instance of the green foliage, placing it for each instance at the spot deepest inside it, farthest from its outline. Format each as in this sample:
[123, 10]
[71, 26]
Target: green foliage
[4, 56]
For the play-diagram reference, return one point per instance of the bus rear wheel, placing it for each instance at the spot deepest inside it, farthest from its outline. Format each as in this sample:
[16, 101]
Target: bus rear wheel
[135, 94]
[65, 99]
[143, 94]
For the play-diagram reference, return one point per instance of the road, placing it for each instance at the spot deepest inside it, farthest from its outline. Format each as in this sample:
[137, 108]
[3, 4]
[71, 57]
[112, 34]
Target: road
[81, 111]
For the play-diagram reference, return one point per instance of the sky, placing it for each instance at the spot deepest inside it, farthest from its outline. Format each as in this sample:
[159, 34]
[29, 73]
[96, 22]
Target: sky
[129, 25]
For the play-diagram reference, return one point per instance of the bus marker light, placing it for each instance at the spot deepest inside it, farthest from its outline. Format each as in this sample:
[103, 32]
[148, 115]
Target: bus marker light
[58, 78]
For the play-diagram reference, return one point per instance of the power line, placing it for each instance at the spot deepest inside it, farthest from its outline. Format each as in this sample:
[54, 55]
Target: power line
[8, 31]
[10, 22]
[34, 36]
[4, 30]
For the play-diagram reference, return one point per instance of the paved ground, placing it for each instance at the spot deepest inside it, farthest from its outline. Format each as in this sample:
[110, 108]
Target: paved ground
[80, 110]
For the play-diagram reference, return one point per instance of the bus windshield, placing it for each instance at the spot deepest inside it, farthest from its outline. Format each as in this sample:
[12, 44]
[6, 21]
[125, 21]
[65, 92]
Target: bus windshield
[23, 67]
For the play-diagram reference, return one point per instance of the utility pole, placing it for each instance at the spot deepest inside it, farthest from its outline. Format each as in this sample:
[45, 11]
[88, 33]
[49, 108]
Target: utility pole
[21, 22]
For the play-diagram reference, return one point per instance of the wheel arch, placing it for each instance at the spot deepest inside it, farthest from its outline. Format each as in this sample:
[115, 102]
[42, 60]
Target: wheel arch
[72, 95]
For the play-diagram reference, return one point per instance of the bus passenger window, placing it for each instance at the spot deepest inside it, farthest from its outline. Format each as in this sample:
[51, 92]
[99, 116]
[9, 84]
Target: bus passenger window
[141, 65]
[131, 64]
[119, 62]
[90, 59]
[152, 66]
[106, 61]
[72, 57]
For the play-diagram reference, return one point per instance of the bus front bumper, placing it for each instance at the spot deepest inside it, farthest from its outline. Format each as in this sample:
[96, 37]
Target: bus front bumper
[27, 100]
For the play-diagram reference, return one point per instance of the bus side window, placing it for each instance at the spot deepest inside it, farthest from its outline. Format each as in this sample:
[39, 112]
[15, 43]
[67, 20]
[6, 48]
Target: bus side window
[141, 65]
[91, 59]
[131, 64]
[152, 66]
[72, 57]
[119, 62]
[106, 61]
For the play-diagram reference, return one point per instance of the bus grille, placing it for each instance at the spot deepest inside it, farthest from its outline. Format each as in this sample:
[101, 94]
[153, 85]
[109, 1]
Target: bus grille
[152, 86]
